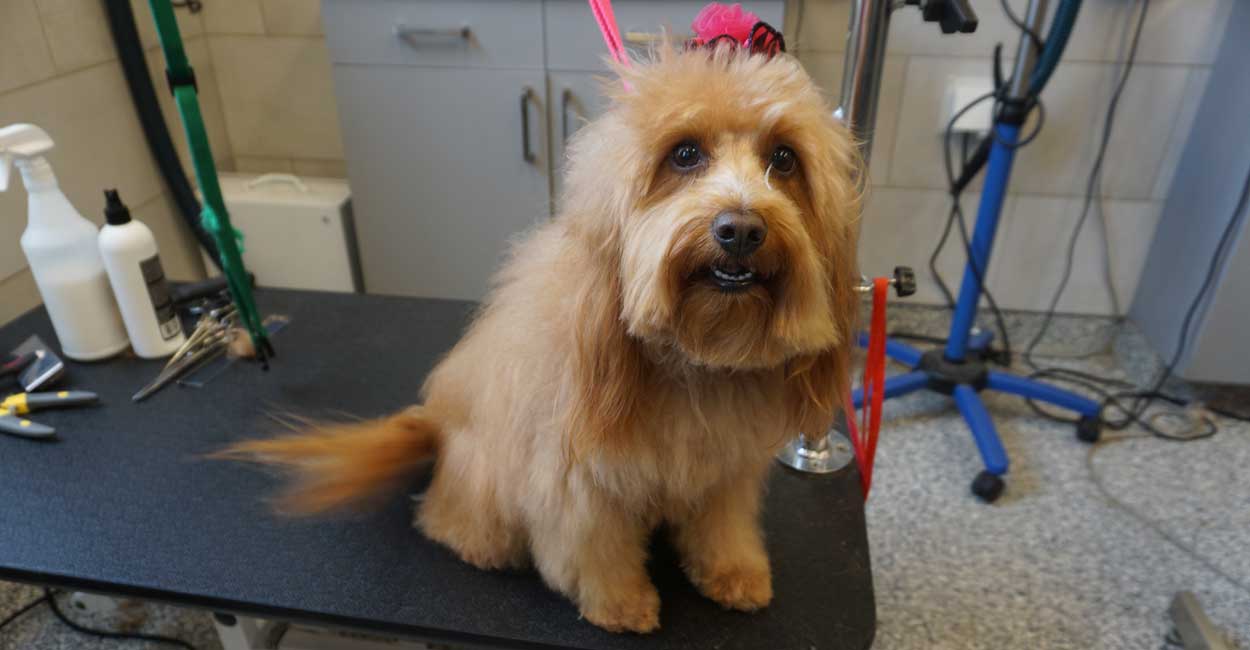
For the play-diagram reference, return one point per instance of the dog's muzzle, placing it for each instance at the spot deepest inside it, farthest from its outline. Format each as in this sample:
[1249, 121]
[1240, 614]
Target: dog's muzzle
[739, 234]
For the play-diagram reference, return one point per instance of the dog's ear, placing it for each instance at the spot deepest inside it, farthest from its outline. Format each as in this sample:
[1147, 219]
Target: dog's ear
[608, 367]
[815, 384]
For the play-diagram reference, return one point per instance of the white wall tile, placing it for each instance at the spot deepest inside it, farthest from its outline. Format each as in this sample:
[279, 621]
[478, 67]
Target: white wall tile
[292, 16]
[98, 145]
[910, 34]
[189, 24]
[902, 226]
[1031, 248]
[26, 58]
[1059, 161]
[1076, 103]
[916, 160]
[1176, 31]
[233, 17]
[77, 33]
[319, 168]
[262, 165]
[826, 70]
[278, 96]
[1195, 86]
[18, 294]
[210, 103]
[822, 25]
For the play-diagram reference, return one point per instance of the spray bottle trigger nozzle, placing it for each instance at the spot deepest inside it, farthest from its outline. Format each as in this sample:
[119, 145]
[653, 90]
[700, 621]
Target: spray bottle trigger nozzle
[6, 165]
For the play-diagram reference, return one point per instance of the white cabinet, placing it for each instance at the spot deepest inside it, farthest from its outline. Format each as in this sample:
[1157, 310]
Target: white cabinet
[455, 115]
[576, 98]
[438, 172]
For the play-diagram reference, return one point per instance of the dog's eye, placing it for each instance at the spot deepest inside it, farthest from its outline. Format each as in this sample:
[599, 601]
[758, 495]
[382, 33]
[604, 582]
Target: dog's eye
[686, 156]
[783, 160]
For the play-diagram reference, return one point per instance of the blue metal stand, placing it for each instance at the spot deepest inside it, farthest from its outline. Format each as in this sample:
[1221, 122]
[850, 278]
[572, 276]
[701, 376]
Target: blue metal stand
[959, 370]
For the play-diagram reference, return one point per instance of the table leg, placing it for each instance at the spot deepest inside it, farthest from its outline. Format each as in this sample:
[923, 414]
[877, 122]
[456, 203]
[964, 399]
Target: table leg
[243, 633]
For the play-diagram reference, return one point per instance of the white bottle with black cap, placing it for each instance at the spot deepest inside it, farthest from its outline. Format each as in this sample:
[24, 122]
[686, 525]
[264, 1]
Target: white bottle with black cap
[134, 270]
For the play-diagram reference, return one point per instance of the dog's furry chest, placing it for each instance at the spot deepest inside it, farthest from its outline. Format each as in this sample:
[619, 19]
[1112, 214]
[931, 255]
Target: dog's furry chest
[691, 442]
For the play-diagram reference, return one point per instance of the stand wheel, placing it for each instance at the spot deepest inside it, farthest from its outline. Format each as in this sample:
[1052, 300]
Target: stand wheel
[988, 487]
[1088, 429]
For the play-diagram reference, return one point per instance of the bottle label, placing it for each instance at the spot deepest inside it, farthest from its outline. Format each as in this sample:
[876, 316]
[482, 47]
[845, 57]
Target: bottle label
[162, 299]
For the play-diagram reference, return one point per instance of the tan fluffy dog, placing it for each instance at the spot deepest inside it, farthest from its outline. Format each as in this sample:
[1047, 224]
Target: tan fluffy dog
[644, 354]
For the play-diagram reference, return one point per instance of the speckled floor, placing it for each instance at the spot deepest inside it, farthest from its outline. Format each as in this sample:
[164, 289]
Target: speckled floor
[1053, 564]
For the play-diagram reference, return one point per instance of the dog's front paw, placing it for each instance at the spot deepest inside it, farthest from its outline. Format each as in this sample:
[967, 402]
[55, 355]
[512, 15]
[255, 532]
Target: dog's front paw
[636, 610]
[742, 588]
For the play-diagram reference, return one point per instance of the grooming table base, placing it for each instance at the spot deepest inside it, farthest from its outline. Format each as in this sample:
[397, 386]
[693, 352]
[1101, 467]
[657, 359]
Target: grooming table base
[125, 504]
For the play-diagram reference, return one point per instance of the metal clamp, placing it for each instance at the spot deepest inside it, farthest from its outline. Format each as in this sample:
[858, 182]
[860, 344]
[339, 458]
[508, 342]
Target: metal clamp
[904, 282]
[528, 154]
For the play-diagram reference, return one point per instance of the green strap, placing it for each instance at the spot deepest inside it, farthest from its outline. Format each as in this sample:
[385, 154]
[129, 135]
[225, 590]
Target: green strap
[214, 216]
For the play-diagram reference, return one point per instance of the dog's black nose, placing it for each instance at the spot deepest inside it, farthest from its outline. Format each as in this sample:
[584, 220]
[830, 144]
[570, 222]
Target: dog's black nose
[739, 233]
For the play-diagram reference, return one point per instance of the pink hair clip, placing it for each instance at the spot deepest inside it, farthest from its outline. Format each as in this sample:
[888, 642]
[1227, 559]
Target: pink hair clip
[718, 23]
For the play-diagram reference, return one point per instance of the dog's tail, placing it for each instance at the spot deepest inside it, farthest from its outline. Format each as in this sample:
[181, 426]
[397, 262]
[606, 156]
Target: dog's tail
[344, 464]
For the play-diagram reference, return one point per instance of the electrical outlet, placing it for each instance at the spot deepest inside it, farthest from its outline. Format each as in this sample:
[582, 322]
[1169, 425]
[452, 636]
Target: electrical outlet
[961, 91]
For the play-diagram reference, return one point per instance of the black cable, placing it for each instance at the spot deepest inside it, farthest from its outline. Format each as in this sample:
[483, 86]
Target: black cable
[946, 231]
[1151, 524]
[916, 337]
[1003, 357]
[955, 187]
[134, 65]
[22, 610]
[1038, 43]
[1226, 239]
[1141, 400]
[109, 634]
[1036, 102]
[1091, 184]
[1224, 413]
[933, 258]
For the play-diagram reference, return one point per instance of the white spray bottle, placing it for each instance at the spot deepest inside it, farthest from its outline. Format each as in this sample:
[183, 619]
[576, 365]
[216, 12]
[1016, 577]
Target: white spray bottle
[138, 280]
[60, 245]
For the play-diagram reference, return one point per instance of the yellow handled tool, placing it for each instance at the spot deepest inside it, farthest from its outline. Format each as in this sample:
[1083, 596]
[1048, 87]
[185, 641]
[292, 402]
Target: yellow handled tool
[23, 403]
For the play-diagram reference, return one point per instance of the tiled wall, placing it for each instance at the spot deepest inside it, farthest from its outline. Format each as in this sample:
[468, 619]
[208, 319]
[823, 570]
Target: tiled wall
[268, 99]
[58, 70]
[907, 206]
[275, 84]
[273, 72]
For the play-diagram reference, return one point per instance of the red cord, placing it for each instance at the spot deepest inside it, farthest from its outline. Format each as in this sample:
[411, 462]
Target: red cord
[865, 443]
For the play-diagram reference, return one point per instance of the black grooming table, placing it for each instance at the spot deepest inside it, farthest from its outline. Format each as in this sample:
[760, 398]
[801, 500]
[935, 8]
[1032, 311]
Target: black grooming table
[123, 503]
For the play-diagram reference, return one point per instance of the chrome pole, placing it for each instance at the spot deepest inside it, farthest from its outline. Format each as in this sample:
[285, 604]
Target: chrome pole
[828, 451]
[861, 71]
[1026, 52]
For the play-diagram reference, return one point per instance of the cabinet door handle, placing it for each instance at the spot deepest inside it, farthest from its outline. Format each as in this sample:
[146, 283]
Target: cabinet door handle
[566, 98]
[526, 152]
[647, 38]
[414, 35]
[642, 38]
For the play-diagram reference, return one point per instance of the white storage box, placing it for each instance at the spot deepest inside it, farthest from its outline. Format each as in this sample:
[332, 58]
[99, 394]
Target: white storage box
[297, 232]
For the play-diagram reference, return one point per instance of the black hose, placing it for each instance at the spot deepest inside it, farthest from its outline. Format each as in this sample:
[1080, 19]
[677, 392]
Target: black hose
[156, 132]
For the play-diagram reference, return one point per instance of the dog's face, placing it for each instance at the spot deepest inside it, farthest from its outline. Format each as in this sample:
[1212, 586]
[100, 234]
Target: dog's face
[723, 191]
